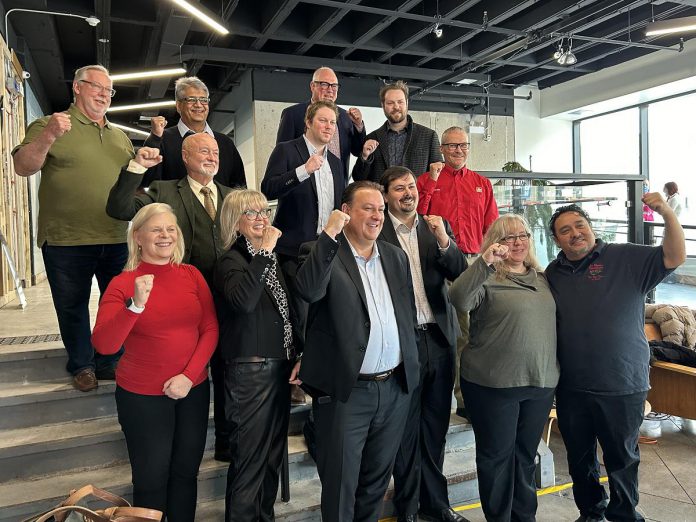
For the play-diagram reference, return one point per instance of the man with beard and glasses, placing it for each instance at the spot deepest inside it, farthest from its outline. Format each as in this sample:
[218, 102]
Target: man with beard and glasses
[196, 201]
[600, 291]
[465, 199]
[420, 488]
[399, 142]
[350, 128]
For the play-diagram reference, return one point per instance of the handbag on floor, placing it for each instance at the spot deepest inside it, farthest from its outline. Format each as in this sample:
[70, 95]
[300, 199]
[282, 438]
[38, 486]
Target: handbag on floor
[72, 509]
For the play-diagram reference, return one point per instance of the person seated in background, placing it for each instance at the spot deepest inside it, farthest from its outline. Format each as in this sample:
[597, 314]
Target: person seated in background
[674, 199]
[162, 312]
[509, 369]
[257, 344]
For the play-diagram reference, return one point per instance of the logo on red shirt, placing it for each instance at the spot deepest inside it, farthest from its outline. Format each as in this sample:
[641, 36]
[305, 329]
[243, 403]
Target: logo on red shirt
[479, 189]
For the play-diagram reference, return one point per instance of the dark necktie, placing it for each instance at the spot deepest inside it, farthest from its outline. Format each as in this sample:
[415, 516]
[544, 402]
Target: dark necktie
[208, 202]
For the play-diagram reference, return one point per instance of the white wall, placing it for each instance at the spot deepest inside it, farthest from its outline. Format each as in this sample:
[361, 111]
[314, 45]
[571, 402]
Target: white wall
[548, 141]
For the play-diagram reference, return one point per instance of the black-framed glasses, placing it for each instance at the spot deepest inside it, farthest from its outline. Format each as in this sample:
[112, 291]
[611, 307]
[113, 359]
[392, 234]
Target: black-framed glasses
[191, 100]
[522, 238]
[454, 146]
[253, 215]
[98, 87]
[327, 85]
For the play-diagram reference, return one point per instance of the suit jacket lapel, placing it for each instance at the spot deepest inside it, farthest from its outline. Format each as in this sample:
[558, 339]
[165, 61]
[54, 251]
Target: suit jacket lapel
[345, 255]
[339, 182]
[425, 242]
[389, 232]
[382, 138]
[304, 156]
[187, 198]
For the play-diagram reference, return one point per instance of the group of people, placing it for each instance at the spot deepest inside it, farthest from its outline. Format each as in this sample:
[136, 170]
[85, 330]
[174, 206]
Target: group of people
[357, 292]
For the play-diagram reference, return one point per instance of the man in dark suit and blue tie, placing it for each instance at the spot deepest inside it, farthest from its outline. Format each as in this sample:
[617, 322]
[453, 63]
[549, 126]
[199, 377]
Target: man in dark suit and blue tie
[434, 258]
[360, 359]
[350, 133]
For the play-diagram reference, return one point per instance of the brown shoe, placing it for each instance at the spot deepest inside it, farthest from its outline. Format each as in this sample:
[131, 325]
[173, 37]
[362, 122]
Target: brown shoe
[85, 380]
[297, 396]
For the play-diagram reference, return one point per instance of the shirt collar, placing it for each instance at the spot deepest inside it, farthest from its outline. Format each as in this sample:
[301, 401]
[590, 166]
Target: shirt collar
[183, 129]
[196, 187]
[596, 251]
[312, 149]
[375, 251]
[73, 110]
[398, 223]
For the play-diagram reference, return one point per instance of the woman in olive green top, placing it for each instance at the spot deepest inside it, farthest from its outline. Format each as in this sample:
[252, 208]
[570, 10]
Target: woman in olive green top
[509, 369]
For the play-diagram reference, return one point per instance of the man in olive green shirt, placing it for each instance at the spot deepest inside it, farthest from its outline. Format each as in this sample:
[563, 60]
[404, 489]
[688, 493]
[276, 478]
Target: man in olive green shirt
[80, 155]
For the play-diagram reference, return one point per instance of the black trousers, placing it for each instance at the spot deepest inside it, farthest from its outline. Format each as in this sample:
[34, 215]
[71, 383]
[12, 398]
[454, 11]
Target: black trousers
[258, 410]
[507, 423]
[613, 420]
[222, 426]
[357, 441]
[166, 440]
[418, 465]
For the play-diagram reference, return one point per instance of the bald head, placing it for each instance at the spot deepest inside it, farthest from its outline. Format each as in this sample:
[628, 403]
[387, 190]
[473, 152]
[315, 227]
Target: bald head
[201, 156]
[324, 85]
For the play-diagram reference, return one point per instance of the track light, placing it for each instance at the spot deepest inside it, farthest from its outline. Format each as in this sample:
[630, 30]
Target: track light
[206, 19]
[564, 55]
[137, 106]
[675, 25]
[126, 128]
[437, 31]
[147, 74]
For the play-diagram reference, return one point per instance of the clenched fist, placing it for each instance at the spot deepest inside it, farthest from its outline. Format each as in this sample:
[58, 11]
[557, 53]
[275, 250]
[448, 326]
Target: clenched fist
[58, 124]
[496, 252]
[435, 169]
[148, 157]
[437, 226]
[356, 117]
[334, 226]
[368, 148]
[142, 288]
[157, 125]
[655, 201]
[314, 163]
[270, 237]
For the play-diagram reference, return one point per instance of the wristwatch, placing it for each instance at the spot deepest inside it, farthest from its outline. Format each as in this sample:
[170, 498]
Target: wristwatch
[130, 304]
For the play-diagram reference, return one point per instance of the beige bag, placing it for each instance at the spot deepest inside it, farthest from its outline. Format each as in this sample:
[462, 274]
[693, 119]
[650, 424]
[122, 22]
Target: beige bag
[70, 509]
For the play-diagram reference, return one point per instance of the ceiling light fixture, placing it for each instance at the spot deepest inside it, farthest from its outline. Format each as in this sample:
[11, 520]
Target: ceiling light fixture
[675, 25]
[437, 28]
[194, 11]
[147, 74]
[91, 20]
[126, 128]
[136, 106]
[564, 55]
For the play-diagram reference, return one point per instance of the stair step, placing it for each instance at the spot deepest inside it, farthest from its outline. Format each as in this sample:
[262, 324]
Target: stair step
[23, 363]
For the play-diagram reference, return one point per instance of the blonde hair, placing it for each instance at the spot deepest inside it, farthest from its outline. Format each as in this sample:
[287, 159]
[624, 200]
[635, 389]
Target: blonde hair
[235, 203]
[139, 220]
[501, 227]
[82, 71]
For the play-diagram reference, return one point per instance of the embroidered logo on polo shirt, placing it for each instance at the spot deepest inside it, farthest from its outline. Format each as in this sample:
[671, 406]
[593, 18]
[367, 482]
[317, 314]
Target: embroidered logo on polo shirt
[594, 271]
[479, 189]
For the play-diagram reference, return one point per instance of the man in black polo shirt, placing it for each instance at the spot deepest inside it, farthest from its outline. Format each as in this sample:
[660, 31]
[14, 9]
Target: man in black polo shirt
[600, 291]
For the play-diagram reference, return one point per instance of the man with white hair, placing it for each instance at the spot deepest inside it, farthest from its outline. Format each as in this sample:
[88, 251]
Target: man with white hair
[192, 104]
[350, 127]
[80, 155]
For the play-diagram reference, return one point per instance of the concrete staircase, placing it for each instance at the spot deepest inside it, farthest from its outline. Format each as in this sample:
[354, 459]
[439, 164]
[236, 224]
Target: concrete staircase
[54, 438]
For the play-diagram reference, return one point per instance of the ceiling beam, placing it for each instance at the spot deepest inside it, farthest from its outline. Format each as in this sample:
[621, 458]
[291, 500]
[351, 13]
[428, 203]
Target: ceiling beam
[102, 35]
[276, 12]
[311, 63]
[329, 23]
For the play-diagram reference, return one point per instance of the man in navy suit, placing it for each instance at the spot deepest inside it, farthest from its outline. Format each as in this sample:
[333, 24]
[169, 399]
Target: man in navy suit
[351, 129]
[434, 258]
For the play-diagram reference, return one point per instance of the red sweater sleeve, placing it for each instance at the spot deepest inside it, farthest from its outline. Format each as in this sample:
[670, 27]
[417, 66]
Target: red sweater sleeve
[114, 320]
[491, 213]
[207, 329]
[426, 187]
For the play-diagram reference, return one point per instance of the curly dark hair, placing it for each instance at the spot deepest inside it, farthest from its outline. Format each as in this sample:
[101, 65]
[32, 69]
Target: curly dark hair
[563, 210]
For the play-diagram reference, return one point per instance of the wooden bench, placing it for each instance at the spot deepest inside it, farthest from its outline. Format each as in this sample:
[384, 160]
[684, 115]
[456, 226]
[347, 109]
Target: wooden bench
[673, 386]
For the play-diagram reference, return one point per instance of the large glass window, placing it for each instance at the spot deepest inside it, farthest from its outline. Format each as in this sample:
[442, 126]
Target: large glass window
[609, 144]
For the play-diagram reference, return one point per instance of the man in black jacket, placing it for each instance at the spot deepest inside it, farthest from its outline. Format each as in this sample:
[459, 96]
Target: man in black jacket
[192, 101]
[433, 258]
[360, 359]
[399, 142]
[350, 132]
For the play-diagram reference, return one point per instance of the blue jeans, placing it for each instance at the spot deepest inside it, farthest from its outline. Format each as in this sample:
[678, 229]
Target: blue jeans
[70, 270]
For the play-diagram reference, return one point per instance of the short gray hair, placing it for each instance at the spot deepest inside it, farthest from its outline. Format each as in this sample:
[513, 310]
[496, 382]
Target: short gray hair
[184, 83]
[80, 73]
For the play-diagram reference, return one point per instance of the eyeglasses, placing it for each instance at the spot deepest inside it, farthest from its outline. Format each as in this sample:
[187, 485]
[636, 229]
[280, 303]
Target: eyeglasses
[327, 85]
[98, 87]
[253, 215]
[454, 146]
[523, 238]
[191, 100]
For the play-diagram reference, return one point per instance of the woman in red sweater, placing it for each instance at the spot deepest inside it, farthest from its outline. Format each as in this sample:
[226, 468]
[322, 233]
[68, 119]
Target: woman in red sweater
[162, 312]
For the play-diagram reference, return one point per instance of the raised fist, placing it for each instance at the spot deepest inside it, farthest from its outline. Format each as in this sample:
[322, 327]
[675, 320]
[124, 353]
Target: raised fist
[435, 169]
[142, 288]
[368, 148]
[157, 125]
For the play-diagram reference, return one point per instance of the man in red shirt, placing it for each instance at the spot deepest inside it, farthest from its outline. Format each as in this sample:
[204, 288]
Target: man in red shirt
[465, 200]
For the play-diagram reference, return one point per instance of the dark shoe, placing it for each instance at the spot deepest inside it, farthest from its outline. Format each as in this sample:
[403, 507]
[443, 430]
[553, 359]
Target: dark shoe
[461, 412]
[297, 396]
[407, 518]
[106, 374]
[446, 515]
[85, 380]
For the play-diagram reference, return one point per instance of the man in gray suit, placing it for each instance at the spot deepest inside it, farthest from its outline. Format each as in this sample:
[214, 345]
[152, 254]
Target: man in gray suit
[399, 142]
[196, 200]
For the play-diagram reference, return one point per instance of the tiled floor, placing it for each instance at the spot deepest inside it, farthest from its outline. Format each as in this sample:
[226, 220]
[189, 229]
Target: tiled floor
[667, 473]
